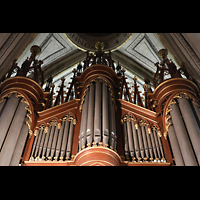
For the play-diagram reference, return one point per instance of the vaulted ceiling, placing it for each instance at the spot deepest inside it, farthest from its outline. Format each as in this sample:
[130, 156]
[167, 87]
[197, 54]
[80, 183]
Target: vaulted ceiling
[137, 55]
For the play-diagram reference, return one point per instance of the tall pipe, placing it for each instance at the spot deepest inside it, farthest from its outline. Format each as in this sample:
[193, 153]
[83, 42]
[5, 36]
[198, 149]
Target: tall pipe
[175, 146]
[196, 110]
[140, 142]
[97, 113]
[38, 142]
[105, 118]
[160, 145]
[7, 116]
[2, 104]
[153, 144]
[45, 142]
[42, 143]
[90, 120]
[84, 121]
[191, 124]
[54, 141]
[126, 152]
[130, 139]
[59, 142]
[50, 140]
[156, 143]
[13, 134]
[149, 142]
[135, 140]
[145, 141]
[64, 142]
[112, 135]
[69, 143]
[181, 133]
[19, 145]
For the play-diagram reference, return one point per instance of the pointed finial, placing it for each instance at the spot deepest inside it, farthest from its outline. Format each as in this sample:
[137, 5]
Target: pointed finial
[163, 54]
[135, 78]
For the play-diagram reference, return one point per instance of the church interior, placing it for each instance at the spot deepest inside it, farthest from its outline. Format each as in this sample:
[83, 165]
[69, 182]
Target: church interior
[99, 99]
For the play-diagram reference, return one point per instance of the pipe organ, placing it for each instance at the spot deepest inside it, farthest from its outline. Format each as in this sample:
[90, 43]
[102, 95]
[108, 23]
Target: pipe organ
[141, 142]
[53, 142]
[96, 120]
[98, 117]
[14, 130]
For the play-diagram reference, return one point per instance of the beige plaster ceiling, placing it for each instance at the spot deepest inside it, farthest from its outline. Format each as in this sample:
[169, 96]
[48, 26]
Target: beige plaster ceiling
[138, 54]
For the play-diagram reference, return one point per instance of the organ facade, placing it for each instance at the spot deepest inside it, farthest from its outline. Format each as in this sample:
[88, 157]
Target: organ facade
[97, 121]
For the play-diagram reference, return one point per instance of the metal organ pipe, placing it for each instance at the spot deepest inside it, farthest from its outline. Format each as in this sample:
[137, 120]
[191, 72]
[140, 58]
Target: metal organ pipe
[125, 134]
[90, 121]
[82, 134]
[191, 124]
[13, 134]
[19, 145]
[69, 143]
[175, 145]
[184, 143]
[7, 116]
[54, 143]
[65, 136]
[140, 142]
[97, 113]
[60, 136]
[130, 138]
[135, 140]
[105, 118]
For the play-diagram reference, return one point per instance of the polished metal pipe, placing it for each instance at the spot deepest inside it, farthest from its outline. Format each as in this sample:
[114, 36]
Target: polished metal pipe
[97, 113]
[90, 120]
[105, 118]
[69, 143]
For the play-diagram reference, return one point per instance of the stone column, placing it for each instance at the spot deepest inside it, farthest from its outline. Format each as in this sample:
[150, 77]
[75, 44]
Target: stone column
[7, 115]
[105, 119]
[97, 113]
[183, 140]
[191, 124]
[175, 146]
[90, 121]
[13, 134]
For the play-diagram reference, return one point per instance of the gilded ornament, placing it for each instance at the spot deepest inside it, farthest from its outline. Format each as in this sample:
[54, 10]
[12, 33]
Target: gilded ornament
[30, 133]
[165, 135]
[46, 129]
[149, 130]
[159, 133]
[136, 126]
[59, 125]
[100, 143]
[36, 132]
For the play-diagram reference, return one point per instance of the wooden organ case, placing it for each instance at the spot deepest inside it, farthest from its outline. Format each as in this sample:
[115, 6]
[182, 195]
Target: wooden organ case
[98, 122]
